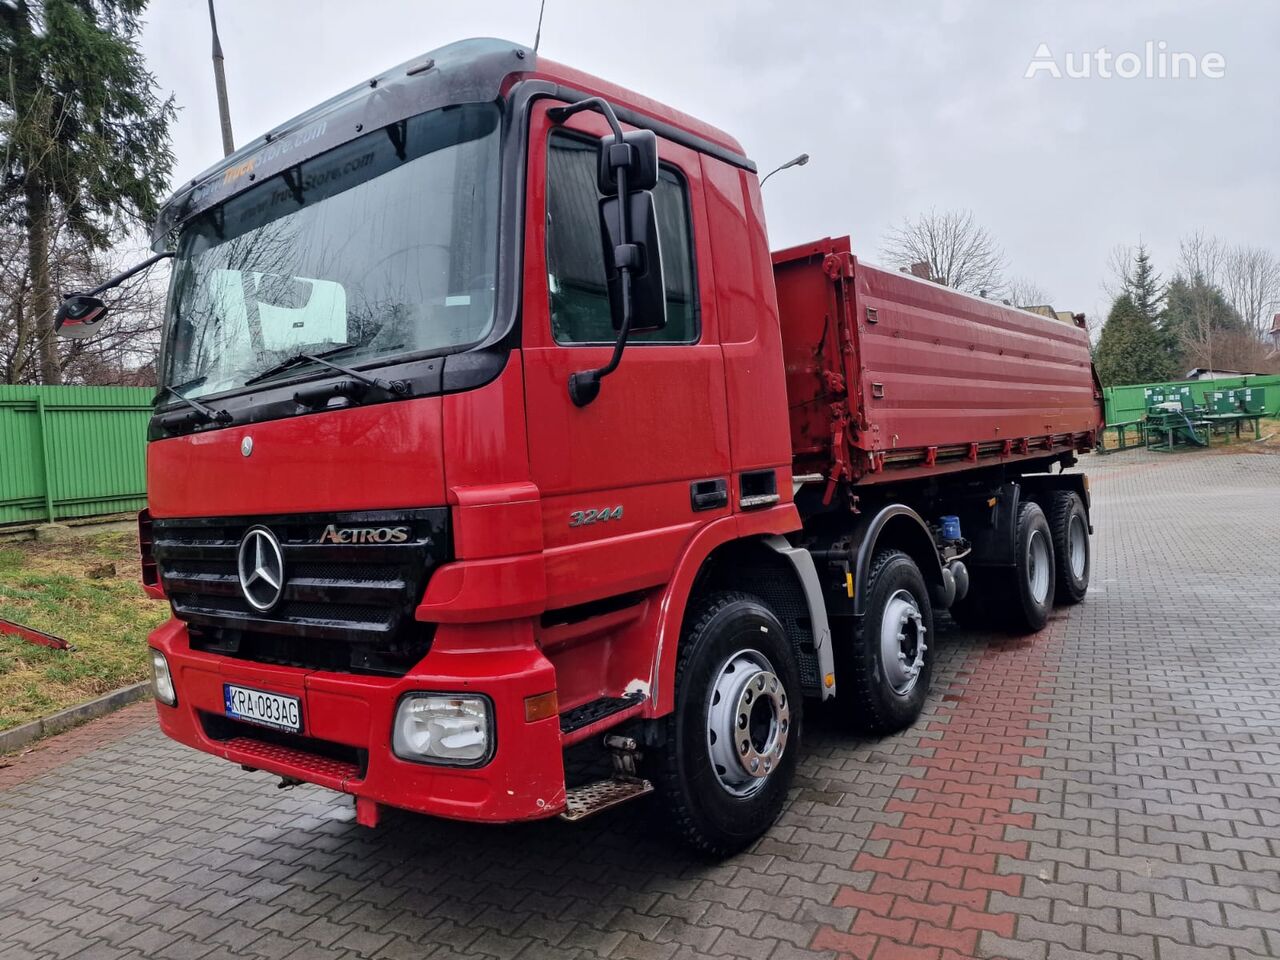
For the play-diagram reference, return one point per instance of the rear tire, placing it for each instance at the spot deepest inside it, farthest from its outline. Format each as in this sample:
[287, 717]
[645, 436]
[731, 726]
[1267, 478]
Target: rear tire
[1030, 589]
[884, 671]
[729, 749]
[1071, 549]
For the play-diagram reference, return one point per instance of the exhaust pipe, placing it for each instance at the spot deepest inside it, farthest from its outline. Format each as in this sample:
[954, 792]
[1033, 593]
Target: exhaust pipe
[954, 586]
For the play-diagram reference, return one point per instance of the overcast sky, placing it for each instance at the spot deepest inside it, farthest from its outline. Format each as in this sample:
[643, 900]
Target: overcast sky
[902, 106]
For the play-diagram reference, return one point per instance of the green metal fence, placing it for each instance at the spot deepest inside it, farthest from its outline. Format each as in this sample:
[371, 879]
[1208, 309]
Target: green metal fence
[72, 451]
[1127, 403]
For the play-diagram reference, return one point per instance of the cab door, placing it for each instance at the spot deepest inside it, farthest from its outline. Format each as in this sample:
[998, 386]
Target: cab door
[627, 479]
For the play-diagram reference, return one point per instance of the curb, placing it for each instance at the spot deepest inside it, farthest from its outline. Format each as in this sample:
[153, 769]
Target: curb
[20, 736]
[79, 526]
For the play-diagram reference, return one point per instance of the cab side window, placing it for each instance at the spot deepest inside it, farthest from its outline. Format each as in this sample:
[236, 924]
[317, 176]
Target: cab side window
[575, 258]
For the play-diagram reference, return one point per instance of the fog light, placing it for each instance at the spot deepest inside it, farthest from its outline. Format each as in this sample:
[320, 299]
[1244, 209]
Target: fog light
[446, 728]
[161, 679]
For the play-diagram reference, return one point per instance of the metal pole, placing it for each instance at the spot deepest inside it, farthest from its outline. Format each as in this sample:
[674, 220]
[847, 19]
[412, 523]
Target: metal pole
[220, 82]
[537, 37]
[46, 463]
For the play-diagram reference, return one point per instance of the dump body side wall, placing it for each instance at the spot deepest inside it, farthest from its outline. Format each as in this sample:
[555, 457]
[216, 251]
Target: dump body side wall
[887, 373]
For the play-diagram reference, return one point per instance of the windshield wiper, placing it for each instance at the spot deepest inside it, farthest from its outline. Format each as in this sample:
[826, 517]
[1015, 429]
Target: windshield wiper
[208, 413]
[398, 387]
[294, 360]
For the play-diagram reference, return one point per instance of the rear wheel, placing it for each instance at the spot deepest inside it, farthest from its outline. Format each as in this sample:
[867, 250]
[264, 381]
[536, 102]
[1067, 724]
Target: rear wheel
[885, 669]
[729, 752]
[1070, 526]
[1030, 590]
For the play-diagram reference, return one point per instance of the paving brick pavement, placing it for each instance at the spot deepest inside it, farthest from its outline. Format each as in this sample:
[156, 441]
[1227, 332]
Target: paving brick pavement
[1107, 788]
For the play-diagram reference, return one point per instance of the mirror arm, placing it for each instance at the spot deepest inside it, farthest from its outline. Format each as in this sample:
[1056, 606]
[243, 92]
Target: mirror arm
[131, 272]
[599, 104]
[584, 385]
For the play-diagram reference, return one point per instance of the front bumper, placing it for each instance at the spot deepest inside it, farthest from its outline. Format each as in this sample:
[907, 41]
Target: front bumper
[347, 720]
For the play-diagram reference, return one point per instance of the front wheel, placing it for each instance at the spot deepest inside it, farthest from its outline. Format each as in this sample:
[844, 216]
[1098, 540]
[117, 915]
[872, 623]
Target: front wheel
[729, 748]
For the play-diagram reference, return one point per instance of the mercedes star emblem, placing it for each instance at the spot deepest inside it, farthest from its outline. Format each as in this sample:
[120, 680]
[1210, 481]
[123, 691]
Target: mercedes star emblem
[246, 446]
[261, 566]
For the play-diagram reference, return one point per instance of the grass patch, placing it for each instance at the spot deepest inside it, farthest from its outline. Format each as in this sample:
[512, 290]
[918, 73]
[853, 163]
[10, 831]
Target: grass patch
[45, 586]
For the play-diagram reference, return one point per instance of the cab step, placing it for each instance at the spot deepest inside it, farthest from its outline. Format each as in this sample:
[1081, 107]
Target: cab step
[625, 784]
[591, 798]
[589, 713]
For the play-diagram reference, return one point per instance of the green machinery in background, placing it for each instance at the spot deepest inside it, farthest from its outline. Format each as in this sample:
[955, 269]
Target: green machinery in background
[1176, 416]
[1173, 419]
[1128, 402]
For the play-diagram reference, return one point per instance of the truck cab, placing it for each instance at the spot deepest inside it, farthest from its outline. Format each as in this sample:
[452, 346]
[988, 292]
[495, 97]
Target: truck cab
[466, 531]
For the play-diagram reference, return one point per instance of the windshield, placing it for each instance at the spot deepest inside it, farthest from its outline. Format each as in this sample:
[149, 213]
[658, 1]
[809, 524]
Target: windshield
[384, 246]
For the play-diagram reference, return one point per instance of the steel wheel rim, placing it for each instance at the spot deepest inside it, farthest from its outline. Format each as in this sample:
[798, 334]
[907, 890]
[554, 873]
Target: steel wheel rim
[902, 642]
[1077, 546]
[1038, 566]
[748, 722]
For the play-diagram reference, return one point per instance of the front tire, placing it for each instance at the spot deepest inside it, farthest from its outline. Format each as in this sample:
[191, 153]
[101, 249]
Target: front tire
[885, 670]
[730, 747]
[1070, 526]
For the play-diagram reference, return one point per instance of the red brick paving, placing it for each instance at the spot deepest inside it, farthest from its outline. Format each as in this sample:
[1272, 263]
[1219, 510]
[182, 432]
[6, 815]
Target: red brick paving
[1153, 835]
[52, 752]
[929, 898]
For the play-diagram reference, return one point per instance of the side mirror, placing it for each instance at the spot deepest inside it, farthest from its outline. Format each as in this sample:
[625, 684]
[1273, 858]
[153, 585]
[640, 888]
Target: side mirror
[643, 253]
[79, 316]
[627, 171]
[638, 154]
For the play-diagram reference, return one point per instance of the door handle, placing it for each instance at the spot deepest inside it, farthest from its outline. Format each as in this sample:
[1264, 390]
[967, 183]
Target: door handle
[709, 494]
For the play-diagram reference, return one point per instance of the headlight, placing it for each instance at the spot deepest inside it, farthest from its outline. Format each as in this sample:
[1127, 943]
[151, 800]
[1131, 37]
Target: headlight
[161, 679]
[449, 728]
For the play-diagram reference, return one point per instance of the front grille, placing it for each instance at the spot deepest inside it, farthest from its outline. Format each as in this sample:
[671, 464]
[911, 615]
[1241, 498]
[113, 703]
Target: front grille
[344, 606]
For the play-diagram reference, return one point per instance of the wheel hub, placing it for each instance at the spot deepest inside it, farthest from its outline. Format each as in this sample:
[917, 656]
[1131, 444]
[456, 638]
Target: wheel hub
[748, 722]
[902, 642]
[1038, 566]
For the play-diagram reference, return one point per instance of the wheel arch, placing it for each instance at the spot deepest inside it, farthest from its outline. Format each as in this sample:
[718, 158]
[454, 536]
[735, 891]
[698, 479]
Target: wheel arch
[895, 526]
[784, 577]
[1038, 487]
[763, 563]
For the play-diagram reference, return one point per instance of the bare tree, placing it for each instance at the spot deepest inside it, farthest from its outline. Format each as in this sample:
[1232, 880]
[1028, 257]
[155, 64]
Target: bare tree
[1202, 257]
[1118, 270]
[1022, 292]
[123, 352]
[1201, 263]
[959, 252]
[1251, 282]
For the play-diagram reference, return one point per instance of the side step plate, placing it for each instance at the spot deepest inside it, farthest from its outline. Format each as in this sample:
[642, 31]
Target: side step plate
[582, 802]
[589, 713]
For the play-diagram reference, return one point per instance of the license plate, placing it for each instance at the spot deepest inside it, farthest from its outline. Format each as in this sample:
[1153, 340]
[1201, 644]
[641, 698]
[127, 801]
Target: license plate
[258, 706]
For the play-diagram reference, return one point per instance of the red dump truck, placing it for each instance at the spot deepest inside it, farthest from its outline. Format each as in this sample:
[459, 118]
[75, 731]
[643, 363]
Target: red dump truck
[494, 442]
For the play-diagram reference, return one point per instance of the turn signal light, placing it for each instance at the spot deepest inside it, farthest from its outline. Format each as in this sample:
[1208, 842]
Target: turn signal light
[540, 707]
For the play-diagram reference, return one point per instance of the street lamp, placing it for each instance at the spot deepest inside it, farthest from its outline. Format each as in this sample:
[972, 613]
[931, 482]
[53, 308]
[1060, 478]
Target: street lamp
[799, 161]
